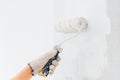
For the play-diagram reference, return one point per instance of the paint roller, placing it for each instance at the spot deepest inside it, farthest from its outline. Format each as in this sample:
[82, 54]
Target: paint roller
[75, 25]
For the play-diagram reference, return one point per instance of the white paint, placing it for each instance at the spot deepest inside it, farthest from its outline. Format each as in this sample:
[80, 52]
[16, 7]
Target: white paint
[73, 25]
[84, 57]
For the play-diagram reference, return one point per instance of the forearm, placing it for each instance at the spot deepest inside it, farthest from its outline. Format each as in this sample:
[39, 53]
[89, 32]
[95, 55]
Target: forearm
[25, 74]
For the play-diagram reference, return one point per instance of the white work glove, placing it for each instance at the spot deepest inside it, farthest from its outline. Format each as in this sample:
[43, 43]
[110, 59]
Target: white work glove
[37, 64]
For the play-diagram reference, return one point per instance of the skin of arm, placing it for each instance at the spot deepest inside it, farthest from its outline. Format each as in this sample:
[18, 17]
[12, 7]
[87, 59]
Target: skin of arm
[24, 74]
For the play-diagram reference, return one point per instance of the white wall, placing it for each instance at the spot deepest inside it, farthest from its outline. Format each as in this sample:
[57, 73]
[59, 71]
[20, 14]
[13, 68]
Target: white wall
[26, 31]
[114, 40]
[84, 57]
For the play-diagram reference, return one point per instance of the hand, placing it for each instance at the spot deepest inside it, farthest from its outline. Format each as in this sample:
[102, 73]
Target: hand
[37, 64]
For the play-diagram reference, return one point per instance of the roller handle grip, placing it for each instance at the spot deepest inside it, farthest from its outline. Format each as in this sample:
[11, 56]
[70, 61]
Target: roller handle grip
[45, 70]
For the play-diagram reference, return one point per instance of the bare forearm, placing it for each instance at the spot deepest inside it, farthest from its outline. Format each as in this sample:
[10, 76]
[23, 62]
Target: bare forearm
[25, 74]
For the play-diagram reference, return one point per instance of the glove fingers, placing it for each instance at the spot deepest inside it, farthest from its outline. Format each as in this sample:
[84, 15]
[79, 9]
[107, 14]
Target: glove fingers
[51, 72]
[58, 59]
[52, 68]
[55, 63]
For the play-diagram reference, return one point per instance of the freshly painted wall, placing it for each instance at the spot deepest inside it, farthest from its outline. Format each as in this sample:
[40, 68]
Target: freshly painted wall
[84, 57]
[27, 31]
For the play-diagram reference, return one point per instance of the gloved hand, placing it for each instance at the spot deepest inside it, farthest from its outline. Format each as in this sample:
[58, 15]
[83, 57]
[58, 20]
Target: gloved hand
[37, 64]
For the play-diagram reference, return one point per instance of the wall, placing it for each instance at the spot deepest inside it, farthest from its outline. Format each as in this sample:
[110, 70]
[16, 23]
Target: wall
[84, 57]
[26, 32]
[114, 40]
